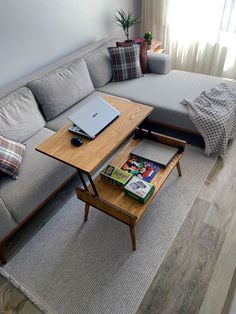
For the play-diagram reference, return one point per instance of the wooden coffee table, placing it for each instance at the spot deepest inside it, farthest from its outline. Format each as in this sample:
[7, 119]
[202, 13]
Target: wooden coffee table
[92, 154]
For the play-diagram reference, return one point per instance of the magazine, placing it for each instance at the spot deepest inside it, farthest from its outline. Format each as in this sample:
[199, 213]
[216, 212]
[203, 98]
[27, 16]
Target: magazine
[141, 168]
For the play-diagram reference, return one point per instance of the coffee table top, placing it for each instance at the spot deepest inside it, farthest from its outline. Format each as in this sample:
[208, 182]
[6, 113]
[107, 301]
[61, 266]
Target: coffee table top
[93, 153]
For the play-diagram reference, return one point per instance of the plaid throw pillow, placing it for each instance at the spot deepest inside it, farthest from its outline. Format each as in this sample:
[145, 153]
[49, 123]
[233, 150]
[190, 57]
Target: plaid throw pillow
[125, 62]
[11, 154]
[143, 52]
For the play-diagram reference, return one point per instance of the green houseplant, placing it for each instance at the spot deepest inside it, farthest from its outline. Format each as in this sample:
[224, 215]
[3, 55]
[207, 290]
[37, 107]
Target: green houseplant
[125, 21]
[148, 37]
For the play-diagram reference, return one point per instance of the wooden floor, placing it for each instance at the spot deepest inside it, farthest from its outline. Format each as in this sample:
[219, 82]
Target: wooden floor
[197, 273]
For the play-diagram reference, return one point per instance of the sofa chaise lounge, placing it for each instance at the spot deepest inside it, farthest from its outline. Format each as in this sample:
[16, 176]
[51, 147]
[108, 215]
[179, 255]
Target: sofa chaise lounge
[35, 107]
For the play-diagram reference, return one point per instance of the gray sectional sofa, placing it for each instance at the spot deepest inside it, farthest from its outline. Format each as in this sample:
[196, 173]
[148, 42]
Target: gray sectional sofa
[33, 108]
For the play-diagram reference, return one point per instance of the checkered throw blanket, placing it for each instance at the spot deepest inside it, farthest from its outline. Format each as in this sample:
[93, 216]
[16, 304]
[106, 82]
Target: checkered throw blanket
[214, 115]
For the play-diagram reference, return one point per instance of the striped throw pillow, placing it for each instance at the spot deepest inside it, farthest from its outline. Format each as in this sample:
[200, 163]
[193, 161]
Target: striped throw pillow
[125, 62]
[11, 154]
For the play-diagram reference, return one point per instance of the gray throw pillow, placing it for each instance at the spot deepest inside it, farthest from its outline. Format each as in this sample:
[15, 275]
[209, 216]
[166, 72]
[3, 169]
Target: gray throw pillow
[61, 89]
[20, 117]
[100, 67]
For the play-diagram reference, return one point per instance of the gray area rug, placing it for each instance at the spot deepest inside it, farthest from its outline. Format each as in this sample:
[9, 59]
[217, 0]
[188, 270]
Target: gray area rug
[91, 268]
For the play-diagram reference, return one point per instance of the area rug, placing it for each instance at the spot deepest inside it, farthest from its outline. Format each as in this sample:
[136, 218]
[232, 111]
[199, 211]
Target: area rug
[91, 268]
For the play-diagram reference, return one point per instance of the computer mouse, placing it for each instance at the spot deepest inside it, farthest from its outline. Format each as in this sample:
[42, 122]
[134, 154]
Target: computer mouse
[77, 141]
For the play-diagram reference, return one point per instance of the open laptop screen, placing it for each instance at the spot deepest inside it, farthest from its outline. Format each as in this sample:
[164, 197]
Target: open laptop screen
[94, 116]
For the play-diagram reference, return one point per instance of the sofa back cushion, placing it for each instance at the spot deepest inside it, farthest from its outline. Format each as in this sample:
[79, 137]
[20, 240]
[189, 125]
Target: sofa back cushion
[61, 89]
[100, 67]
[52, 67]
[20, 117]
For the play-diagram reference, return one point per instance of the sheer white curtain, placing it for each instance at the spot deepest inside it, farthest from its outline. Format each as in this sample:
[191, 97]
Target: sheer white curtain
[200, 35]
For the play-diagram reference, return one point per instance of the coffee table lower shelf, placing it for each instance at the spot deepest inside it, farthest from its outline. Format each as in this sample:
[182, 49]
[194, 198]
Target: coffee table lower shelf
[112, 201]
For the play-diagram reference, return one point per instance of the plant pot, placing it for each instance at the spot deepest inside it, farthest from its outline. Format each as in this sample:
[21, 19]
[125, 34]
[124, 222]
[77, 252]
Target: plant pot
[149, 46]
[126, 43]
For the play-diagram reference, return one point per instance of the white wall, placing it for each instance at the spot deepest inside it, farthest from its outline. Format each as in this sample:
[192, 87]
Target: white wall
[34, 33]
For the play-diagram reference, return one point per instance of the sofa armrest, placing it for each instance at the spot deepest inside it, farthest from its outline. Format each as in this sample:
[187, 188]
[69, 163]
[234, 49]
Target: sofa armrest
[159, 63]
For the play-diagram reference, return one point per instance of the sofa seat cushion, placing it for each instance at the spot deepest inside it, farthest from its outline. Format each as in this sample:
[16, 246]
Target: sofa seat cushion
[164, 93]
[61, 89]
[39, 177]
[61, 120]
[20, 117]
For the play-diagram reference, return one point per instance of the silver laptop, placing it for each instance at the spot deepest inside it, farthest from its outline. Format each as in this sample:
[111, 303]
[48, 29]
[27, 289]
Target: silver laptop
[93, 117]
[155, 151]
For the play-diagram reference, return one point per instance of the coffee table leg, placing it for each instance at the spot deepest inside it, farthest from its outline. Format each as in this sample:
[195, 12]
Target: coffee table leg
[86, 212]
[179, 169]
[133, 237]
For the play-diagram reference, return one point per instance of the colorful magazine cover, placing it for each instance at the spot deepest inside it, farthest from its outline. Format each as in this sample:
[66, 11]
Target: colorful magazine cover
[141, 168]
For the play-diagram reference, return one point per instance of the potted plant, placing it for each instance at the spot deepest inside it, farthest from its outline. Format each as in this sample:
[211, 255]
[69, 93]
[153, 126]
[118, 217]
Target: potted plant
[125, 21]
[148, 37]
